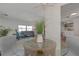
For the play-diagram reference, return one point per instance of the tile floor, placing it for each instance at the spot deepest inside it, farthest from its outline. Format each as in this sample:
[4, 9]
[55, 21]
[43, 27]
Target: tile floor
[70, 53]
[17, 49]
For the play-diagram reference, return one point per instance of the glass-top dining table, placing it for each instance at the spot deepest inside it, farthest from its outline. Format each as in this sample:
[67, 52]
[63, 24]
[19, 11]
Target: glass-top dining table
[33, 48]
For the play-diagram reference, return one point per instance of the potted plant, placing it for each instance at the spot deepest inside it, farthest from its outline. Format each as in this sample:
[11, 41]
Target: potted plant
[4, 31]
[40, 30]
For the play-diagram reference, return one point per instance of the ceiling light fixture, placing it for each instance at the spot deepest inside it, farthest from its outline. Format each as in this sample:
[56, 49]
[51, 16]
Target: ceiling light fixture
[74, 14]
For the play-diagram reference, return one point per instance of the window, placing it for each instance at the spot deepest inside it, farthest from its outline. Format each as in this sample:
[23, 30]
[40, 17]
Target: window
[29, 28]
[21, 28]
[24, 28]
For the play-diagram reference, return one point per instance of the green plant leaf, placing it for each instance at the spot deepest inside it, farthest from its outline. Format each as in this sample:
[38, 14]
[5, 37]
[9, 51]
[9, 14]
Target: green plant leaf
[4, 31]
[40, 27]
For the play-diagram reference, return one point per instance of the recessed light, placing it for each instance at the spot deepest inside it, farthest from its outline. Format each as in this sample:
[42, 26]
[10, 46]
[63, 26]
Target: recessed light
[74, 14]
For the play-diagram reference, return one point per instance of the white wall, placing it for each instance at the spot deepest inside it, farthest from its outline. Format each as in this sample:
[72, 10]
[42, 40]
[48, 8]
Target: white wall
[53, 21]
[76, 25]
[13, 22]
[75, 21]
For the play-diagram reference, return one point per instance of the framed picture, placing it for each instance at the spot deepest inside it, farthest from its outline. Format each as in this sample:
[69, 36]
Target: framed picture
[68, 26]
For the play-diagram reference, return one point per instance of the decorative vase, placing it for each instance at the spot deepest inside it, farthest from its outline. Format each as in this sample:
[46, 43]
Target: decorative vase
[39, 38]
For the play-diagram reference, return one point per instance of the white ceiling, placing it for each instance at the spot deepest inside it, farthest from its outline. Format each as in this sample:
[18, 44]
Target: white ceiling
[68, 9]
[25, 11]
[21, 11]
